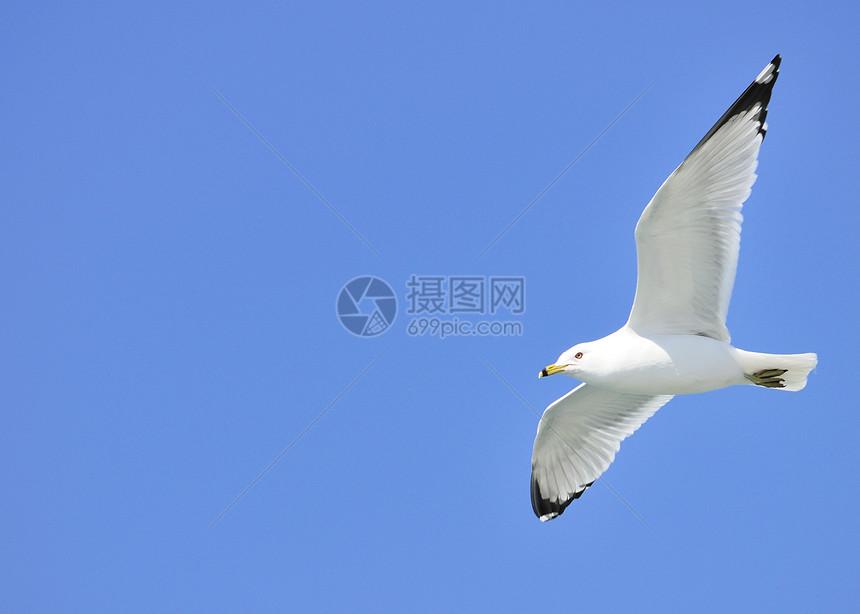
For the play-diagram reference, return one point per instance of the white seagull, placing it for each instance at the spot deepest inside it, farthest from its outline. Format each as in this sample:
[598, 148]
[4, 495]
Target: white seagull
[675, 341]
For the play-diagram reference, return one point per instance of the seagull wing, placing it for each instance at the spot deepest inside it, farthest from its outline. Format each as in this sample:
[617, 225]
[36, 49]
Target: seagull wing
[688, 237]
[577, 439]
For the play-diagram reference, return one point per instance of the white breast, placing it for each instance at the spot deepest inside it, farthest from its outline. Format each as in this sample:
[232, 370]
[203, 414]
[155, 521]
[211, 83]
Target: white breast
[662, 364]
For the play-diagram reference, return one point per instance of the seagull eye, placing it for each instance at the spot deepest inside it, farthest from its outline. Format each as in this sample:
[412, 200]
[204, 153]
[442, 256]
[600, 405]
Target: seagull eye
[578, 355]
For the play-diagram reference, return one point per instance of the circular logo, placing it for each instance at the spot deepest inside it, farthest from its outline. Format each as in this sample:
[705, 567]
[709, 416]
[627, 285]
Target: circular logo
[366, 306]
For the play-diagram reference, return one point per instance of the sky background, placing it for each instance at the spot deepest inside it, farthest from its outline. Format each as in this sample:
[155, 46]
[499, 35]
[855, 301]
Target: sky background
[169, 285]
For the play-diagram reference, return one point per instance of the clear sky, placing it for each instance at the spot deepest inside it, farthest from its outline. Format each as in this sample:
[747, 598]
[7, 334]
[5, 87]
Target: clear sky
[169, 291]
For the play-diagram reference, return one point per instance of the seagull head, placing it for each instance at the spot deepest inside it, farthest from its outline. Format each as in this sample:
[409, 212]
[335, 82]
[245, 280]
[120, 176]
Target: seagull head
[569, 363]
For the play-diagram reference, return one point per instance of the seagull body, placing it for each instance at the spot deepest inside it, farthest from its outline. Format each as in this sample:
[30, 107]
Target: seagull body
[663, 364]
[675, 341]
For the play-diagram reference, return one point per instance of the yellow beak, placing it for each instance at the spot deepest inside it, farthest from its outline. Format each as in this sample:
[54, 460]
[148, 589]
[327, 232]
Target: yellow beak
[551, 370]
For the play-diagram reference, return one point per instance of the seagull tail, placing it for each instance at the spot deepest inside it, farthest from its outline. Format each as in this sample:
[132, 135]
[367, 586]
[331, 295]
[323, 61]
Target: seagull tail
[782, 371]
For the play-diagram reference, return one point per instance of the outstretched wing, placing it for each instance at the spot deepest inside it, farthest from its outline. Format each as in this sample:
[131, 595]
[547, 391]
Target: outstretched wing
[688, 237]
[577, 439]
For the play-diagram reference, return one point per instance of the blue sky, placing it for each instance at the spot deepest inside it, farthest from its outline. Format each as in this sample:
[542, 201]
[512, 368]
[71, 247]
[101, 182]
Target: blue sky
[169, 288]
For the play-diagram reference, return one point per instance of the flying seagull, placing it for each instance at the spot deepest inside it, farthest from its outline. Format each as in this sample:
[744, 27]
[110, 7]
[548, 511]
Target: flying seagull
[675, 340]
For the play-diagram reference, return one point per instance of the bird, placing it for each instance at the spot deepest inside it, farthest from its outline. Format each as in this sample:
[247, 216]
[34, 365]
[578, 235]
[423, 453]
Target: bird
[675, 340]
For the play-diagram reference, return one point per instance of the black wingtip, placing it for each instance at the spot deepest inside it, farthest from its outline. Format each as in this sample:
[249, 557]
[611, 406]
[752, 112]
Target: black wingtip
[757, 93]
[545, 509]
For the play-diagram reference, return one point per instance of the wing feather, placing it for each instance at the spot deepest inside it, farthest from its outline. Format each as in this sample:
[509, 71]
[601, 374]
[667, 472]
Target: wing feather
[577, 439]
[688, 237]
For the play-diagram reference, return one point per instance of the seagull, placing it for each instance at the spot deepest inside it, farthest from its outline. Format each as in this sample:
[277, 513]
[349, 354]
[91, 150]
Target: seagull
[675, 340]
